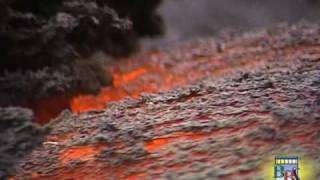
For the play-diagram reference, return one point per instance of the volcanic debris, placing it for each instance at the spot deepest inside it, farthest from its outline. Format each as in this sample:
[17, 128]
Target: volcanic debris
[18, 136]
[222, 127]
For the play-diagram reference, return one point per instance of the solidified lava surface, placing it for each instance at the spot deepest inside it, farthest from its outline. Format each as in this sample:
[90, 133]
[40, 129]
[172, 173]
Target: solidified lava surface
[263, 101]
[18, 136]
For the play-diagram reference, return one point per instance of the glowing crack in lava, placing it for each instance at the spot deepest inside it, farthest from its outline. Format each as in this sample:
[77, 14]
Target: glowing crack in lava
[142, 79]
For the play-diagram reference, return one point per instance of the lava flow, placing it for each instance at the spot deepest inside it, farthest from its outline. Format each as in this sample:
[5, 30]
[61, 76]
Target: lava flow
[157, 71]
[153, 72]
[220, 127]
[130, 79]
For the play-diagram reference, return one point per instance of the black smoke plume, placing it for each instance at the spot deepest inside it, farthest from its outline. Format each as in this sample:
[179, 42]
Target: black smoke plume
[45, 46]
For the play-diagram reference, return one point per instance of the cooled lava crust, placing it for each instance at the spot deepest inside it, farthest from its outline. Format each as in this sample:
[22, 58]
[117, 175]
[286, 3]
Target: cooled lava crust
[18, 136]
[261, 97]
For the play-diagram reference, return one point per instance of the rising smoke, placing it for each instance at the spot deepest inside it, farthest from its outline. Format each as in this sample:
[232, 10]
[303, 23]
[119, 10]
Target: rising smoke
[187, 19]
[46, 48]
[50, 38]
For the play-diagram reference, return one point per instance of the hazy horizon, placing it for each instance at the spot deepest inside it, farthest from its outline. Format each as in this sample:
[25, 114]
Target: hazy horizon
[187, 19]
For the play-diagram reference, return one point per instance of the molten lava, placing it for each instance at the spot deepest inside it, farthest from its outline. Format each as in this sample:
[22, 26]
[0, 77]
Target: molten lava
[121, 81]
[153, 72]
[131, 82]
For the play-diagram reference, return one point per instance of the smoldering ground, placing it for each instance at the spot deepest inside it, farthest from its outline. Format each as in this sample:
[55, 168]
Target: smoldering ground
[46, 51]
[47, 48]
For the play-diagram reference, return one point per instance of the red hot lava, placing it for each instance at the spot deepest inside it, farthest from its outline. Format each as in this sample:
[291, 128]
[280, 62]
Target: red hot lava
[153, 72]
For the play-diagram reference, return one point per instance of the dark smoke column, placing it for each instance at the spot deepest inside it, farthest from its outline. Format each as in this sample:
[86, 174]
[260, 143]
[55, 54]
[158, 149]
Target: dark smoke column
[57, 37]
[34, 34]
[143, 13]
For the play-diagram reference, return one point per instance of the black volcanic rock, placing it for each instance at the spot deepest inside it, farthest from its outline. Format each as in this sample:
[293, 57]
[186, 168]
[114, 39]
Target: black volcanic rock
[17, 137]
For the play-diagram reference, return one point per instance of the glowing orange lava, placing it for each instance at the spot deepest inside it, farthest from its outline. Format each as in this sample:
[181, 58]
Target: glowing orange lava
[152, 72]
[130, 79]
[47, 108]
[83, 153]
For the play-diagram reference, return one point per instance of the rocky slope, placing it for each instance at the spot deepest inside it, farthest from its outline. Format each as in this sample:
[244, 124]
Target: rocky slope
[260, 99]
[18, 136]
